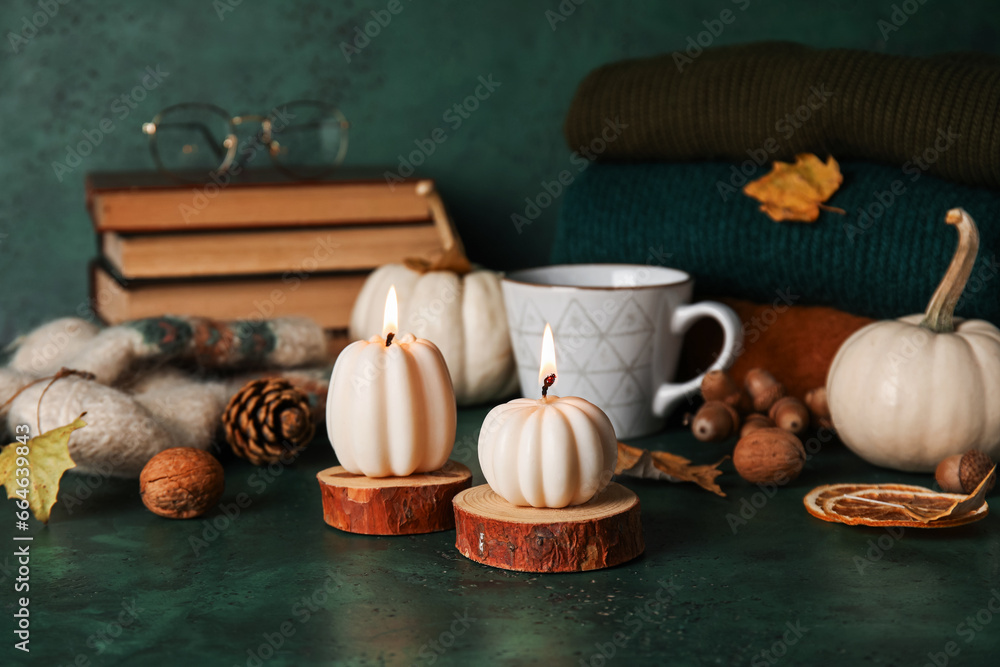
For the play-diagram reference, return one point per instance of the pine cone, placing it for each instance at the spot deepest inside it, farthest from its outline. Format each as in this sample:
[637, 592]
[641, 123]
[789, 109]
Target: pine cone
[266, 420]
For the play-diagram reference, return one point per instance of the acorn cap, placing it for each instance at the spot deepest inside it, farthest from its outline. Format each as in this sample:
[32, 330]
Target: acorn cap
[973, 468]
[763, 388]
[767, 397]
[718, 386]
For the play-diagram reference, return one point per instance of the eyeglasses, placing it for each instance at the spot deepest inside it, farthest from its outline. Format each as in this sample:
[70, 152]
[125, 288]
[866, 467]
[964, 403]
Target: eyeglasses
[305, 139]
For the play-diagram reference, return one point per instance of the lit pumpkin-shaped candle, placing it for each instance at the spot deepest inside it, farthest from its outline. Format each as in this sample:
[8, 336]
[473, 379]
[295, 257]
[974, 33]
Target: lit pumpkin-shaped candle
[551, 451]
[390, 410]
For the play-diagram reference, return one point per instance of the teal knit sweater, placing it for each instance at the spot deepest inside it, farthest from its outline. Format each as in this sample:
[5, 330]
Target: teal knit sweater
[883, 259]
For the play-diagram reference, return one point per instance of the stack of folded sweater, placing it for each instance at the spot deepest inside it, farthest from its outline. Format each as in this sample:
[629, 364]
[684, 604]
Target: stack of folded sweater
[914, 136]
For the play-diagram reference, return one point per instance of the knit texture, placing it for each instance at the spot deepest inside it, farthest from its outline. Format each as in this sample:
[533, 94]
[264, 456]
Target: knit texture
[881, 264]
[782, 98]
[141, 395]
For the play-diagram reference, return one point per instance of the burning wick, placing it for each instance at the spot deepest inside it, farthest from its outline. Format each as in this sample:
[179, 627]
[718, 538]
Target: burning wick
[390, 320]
[546, 383]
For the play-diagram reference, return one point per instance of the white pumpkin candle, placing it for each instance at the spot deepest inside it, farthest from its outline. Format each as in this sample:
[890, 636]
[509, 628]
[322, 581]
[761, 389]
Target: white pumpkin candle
[391, 408]
[548, 452]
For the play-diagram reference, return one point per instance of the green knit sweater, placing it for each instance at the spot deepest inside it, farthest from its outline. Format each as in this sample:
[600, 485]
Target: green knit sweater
[883, 259]
[781, 98]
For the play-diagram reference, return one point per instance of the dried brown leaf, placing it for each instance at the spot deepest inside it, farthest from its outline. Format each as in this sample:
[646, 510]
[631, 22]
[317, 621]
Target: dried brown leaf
[645, 464]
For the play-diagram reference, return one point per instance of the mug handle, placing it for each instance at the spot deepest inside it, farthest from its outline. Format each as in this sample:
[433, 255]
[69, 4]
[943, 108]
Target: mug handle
[669, 394]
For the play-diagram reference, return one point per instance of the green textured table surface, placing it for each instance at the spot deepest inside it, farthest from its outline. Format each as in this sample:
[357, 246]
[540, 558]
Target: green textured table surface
[271, 584]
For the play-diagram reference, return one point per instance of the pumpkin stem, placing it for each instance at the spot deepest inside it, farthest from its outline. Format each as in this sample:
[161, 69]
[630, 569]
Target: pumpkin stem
[939, 316]
[451, 259]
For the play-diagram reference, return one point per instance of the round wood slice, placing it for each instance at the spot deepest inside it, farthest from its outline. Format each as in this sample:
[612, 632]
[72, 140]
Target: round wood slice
[601, 533]
[420, 503]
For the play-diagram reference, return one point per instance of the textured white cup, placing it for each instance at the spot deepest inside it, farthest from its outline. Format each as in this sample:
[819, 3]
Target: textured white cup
[618, 330]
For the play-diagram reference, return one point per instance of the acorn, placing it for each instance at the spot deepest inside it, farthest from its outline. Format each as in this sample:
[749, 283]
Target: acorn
[715, 421]
[962, 473]
[718, 386]
[790, 414]
[763, 388]
[818, 406]
[754, 422]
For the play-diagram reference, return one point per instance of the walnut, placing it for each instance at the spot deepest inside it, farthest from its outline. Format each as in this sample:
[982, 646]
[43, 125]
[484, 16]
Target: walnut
[769, 456]
[181, 483]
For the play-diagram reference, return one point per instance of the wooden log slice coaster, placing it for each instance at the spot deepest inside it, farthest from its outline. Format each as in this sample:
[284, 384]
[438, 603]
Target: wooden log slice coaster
[602, 533]
[420, 503]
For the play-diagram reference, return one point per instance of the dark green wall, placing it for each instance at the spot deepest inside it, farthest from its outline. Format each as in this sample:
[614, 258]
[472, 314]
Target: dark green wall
[64, 80]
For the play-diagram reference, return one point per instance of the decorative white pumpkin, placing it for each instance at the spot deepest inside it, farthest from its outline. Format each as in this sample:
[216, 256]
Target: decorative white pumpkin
[548, 452]
[463, 315]
[390, 410]
[908, 393]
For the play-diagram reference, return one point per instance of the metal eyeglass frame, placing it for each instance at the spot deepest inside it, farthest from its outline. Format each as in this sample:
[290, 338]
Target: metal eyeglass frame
[226, 152]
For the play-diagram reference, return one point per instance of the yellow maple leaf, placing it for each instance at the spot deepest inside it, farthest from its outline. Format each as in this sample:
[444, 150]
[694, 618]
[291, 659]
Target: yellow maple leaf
[797, 191]
[45, 457]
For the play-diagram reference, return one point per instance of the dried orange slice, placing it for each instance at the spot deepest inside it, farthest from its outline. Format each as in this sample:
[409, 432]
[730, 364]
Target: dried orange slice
[883, 505]
[878, 507]
[814, 501]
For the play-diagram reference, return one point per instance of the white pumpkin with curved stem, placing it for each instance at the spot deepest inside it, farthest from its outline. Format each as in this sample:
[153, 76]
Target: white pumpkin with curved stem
[463, 314]
[390, 410]
[908, 393]
[548, 452]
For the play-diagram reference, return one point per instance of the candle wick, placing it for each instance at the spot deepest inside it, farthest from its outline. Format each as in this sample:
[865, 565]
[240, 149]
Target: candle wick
[546, 383]
[388, 339]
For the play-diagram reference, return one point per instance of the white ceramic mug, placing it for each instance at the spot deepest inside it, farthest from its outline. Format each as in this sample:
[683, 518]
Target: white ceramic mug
[618, 330]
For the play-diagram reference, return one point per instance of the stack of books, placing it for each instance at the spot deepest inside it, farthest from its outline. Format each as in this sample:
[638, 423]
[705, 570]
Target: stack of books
[258, 248]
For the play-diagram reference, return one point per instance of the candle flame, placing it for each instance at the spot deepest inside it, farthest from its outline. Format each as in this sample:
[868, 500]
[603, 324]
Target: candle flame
[548, 366]
[390, 321]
